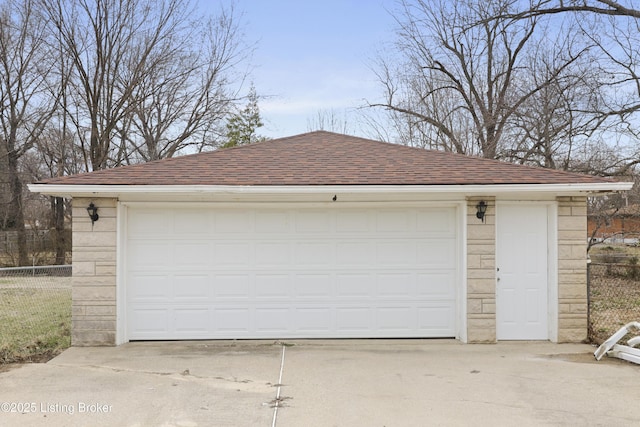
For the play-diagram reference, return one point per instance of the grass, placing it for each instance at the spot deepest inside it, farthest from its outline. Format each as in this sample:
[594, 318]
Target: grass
[615, 298]
[35, 321]
[613, 252]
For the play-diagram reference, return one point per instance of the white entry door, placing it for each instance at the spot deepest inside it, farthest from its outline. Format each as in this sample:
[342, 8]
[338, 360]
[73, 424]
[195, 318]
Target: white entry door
[522, 273]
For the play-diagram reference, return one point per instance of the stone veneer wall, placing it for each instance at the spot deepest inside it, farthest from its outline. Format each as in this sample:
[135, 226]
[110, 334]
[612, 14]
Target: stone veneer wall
[572, 269]
[94, 274]
[481, 273]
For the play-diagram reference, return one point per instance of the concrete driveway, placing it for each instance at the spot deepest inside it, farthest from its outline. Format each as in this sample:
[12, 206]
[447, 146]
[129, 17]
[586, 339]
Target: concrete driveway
[323, 383]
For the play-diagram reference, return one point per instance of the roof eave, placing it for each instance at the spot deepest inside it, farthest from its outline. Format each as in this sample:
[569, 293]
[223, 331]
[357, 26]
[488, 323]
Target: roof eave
[65, 190]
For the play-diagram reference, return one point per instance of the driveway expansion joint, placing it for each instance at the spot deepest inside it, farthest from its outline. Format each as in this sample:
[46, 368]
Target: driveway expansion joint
[278, 402]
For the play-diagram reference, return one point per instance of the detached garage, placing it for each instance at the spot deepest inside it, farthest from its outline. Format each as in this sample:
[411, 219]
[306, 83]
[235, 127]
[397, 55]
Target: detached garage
[322, 235]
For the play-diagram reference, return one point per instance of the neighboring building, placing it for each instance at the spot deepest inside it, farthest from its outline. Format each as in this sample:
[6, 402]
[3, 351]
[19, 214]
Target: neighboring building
[615, 226]
[322, 235]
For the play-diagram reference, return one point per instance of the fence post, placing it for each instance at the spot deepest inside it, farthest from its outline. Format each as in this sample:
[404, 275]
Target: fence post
[589, 328]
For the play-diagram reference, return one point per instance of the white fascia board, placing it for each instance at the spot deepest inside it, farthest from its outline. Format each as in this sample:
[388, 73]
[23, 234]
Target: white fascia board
[117, 190]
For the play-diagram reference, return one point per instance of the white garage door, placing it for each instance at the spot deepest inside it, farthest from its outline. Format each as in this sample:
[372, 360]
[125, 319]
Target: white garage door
[202, 273]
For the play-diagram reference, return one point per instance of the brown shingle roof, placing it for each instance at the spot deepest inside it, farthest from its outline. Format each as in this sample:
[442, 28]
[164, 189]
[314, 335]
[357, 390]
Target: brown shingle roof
[324, 158]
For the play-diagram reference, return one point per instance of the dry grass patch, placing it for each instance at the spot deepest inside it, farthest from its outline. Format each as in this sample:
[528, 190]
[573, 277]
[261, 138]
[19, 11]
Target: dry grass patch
[35, 319]
[615, 298]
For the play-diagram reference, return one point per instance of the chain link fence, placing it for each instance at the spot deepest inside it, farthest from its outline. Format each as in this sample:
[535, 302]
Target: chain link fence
[41, 246]
[35, 307]
[614, 298]
[35, 312]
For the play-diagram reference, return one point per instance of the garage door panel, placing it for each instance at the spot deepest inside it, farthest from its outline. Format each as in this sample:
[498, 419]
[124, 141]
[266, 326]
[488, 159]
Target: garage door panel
[354, 285]
[270, 286]
[396, 253]
[231, 286]
[191, 222]
[396, 318]
[436, 317]
[395, 222]
[396, 285]
[149, 287]
[231, 254]
[313, 320]
[297, 272]
[272, 320]
[147, 221]
[354, 253]
[353, 222]
[232, 222]
[313, 222]
[151, 320]
[273, 253]
[318, 285]
[437, 253]
[272, 222]
[314, 254]
[192, 320]
[354, 319]
[191, 287]
[436, 222]
[436, 285]
[145, 254]
[236, 320]
[191, 254]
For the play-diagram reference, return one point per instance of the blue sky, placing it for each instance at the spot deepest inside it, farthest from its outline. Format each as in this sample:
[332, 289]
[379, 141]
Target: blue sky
[312, 56]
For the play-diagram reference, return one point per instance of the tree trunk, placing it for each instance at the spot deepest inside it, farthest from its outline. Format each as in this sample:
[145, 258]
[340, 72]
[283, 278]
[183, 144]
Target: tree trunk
[15, 208]
[60, 237]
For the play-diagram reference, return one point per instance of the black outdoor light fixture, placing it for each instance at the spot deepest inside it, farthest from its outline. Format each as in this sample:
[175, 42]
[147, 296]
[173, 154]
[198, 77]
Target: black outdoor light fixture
[93, 212]
[481, 210]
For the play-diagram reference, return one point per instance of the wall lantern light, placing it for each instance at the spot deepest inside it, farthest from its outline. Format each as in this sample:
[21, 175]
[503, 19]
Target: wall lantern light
[481, 210]
[92, 210]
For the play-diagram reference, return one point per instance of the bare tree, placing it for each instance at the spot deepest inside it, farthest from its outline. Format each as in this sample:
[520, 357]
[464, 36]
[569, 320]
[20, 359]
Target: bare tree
[26, 104]
[57, 155]
[463, 73]
[419, 120]
[113, 45]
[602, 211]
[182, 102]
[537, 85]
[554, 124]
[598, 7]
[92, 84]
[612, 131]
[619, 49]
[612, 29]
[149, 78]
[329, 120]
